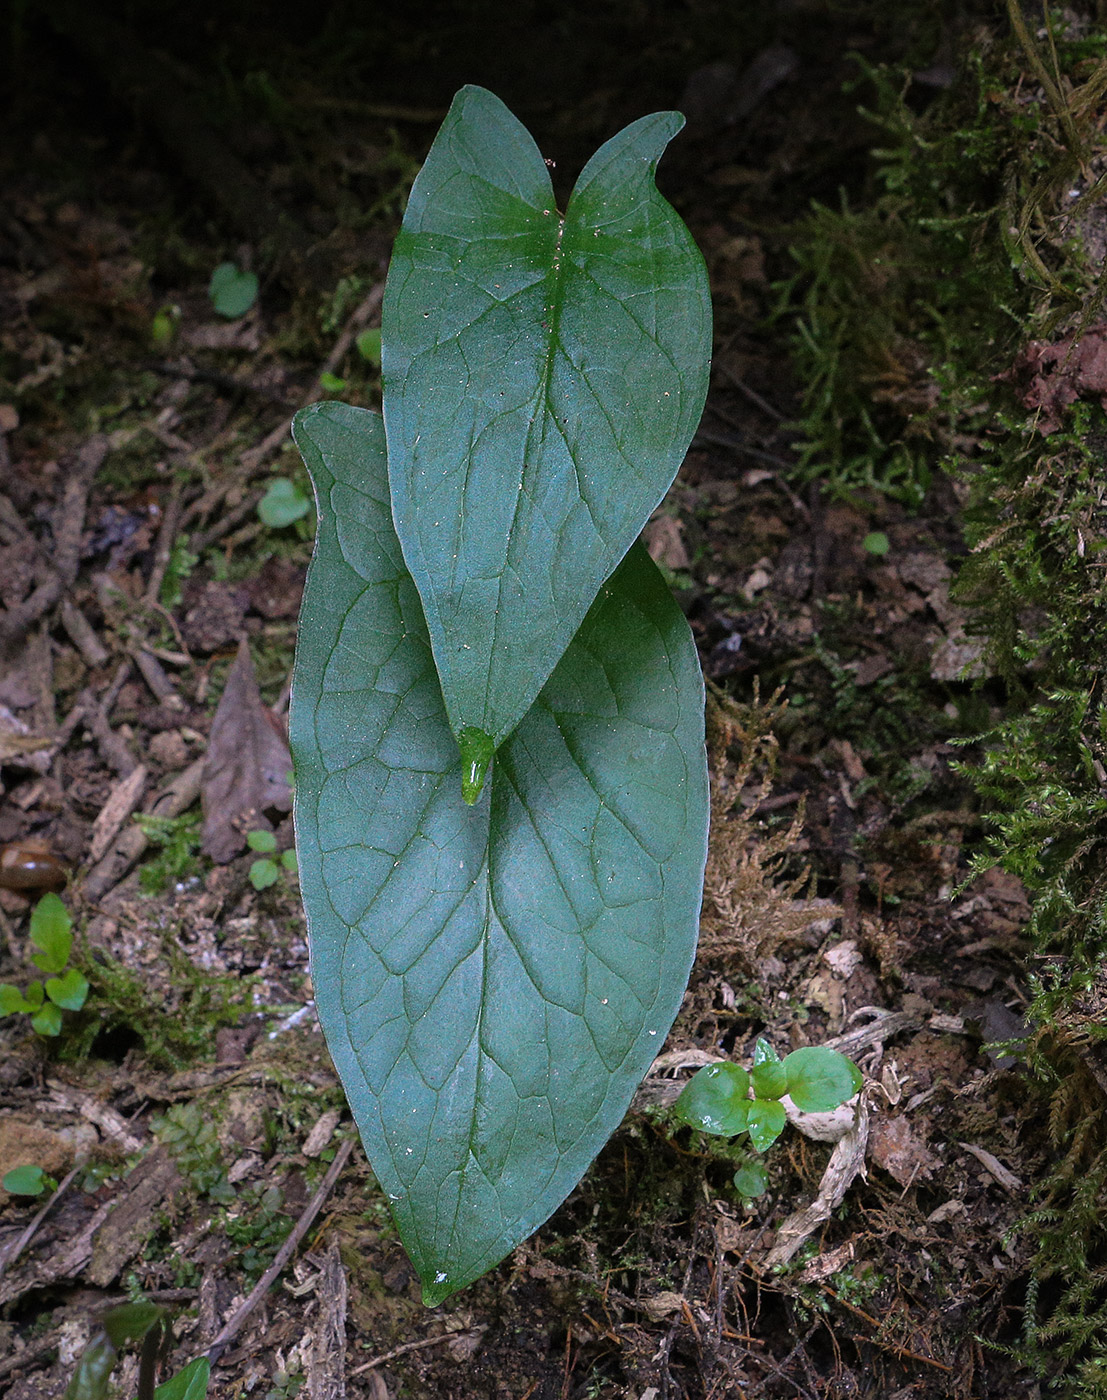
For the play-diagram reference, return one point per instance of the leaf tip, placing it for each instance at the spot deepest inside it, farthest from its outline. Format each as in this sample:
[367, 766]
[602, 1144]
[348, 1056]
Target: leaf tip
[437, 1291]
[477, 749]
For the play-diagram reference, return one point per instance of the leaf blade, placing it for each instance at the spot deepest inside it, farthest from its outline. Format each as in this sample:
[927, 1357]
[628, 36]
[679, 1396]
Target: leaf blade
[542, 380]
[510, 968]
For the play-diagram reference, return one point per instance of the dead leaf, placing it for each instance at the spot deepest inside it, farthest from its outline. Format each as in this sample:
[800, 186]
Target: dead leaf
[664, 540]
[1051, 376]
[663, 1305]
[843, 958]
[247, 766]
[894, 1146]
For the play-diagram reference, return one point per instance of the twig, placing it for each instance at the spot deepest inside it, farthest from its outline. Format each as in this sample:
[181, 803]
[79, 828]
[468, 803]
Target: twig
[32, 1229]
[302, 1226]
[877, 1340]
[163, 550]
[754, 397]
[185, 369]
[177, 798]
[111, 745]
[164, 691]
[403, 1351]
[81, 634]
[69, 522]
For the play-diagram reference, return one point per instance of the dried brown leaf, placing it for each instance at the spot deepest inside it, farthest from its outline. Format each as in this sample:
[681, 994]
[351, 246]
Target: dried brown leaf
[247, 766]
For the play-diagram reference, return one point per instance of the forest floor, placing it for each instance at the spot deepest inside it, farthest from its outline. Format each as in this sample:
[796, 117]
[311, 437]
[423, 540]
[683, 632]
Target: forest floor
[190, 1110]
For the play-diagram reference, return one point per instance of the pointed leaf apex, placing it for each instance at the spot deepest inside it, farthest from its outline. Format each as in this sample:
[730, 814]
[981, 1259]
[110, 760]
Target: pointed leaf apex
[435, 1293]
[477, 749]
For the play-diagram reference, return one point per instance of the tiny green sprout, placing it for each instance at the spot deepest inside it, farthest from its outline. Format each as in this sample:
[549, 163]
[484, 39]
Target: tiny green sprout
[283, 504]
[163, 328]
[724, 1100]
[63, 990]
[232, 291]
[267, 869]
[876, 542]
[28, 1181]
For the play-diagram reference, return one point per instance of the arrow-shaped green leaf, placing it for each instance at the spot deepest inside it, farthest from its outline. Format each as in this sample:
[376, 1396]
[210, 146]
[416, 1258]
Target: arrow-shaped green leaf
[493, 980]
[543, 377]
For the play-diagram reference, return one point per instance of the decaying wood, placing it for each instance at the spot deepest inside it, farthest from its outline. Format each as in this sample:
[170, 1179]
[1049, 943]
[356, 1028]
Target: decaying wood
[16, 1248]
[326, 1376]
[133, 1217]
[65, 1263]
[847, 1161]
[122, 801]
[65, 557]
[112, 1125]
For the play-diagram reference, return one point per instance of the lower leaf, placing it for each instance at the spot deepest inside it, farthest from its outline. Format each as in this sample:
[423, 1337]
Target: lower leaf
[493, 980]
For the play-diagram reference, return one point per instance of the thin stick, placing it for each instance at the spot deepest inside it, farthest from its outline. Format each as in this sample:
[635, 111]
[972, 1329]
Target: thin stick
[303, 1225]
[29, 1233]
[403, 1351]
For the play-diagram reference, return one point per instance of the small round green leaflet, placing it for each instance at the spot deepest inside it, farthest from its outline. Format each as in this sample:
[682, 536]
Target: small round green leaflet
[716, 1100]
[232, 291]
[70, 991]
[820, 1079]
[766, 1120]
[51, 933]
[25, 1181]
[493, 978]
[283, 504]
[751, 1181]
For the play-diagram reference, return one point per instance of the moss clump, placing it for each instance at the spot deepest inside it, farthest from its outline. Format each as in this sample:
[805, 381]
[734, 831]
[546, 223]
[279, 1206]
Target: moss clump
[979, 232]
[175, 1030]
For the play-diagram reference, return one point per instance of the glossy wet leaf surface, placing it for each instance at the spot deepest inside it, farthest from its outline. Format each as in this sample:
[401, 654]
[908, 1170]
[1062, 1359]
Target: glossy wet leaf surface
[493, 980]
[542, 381]
[716, 1100]
[820, 1079]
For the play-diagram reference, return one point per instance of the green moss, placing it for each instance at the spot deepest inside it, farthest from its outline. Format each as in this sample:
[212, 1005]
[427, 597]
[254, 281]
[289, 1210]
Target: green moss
[907, 304]
[177, 1028]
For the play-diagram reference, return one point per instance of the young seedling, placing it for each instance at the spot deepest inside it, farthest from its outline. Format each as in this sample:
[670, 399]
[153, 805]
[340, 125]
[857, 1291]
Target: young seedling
[725, 1100]
[29, 1180]
[65, 989]
[497, 708]
[266, 870]
[232, 291]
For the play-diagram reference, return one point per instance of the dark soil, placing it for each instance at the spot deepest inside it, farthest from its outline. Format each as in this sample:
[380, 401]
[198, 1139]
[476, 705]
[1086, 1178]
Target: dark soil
[194, 1087]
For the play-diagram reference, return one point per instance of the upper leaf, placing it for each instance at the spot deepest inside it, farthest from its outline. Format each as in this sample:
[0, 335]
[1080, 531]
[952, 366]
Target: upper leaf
[493, 980]
[819, 1079]
[543, 377]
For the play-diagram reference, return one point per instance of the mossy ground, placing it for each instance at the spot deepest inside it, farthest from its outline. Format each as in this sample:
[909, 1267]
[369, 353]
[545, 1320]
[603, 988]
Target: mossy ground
[896, 582]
